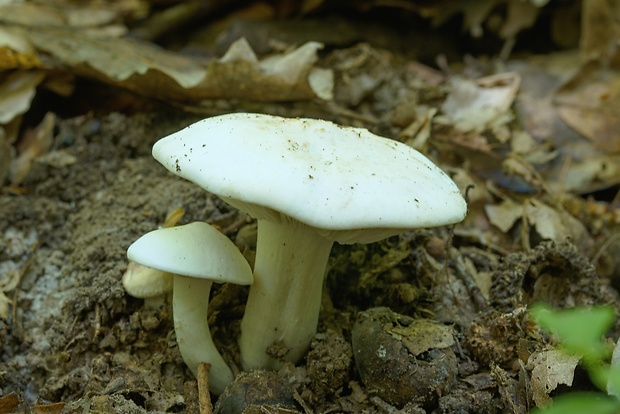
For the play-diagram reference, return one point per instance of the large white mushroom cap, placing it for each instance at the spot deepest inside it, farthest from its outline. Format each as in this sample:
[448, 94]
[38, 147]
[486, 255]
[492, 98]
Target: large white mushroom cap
[352, 185]
[196, 250]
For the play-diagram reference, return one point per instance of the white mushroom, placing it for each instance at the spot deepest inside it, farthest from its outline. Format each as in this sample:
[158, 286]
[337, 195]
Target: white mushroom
[146, 283]
[309, 183]
[197, 255]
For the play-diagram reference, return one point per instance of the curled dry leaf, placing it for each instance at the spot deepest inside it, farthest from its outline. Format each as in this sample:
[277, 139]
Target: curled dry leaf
[16, 52]
[594, 173]
[239, 74]
[31, 14]
[9, 403]
[6, 153]
[520, 15]
[600, 30]
[549, 369]
[16, 92]
[422, 335]
[418, 132]
[589, 104]
[114, 60]
[20, 245]
[550, 223]
[553, 224]
[504, 215]
[480, 104]
[578, 165]
[57, 14]
[157, 73]
[33, 144]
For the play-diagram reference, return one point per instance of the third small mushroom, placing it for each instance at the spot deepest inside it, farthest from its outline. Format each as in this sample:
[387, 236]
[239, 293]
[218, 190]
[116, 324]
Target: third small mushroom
[309, 183]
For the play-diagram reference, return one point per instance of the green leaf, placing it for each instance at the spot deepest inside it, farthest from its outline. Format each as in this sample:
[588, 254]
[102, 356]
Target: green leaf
[613, 384]
[579, 329]
[580, 403]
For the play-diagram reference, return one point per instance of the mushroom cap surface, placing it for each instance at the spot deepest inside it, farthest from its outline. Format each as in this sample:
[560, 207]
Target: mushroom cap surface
[196, 250]
[350, 184]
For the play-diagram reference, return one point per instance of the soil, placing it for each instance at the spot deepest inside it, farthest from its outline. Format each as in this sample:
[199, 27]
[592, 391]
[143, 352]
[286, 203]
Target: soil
[74, 336]
[74, 341]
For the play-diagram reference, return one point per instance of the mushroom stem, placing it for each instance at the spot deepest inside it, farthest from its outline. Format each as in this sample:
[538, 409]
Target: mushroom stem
[284, 301]
[190, 301]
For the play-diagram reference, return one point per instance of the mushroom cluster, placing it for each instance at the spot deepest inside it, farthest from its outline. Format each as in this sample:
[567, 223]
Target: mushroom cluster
[196, 255]
[308, 183]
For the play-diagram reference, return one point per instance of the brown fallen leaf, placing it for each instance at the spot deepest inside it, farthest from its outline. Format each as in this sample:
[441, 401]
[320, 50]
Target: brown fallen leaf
[17, 90]
[476, 105]
[33, 144]
[8, 404]
[117, 59]
[422, 335]
[16, 52]
[154, 72]
[520, 15]
[550, 369]
[549, 223]
[504, 215]
[600, 30]
[283, 77]
[578, 165]
[56, 408]
[590, 104]
[63, 14]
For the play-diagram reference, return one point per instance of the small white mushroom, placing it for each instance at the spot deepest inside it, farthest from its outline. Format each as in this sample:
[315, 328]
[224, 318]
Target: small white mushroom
[146, 283]
[197, 255]
[309, 183]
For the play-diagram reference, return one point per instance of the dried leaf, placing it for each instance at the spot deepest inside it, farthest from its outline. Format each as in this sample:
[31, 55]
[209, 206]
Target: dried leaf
[590, 104]
[16, 92]
[63, 14]
[239, 51]
[481, 104]
[549, 369]
[579, 165]
[115, 58]
[290, 66]
[33, 145]
[417, 134]
[6, 154]
[321, 82]
[549, 223]
[600, 30]
[278, 78]
[16, 52]
[422, 335]
[158, 73]
[56, 408]
[556, 224]
[504, 215]
[521, 15]
[9, 404]
[31, 14]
